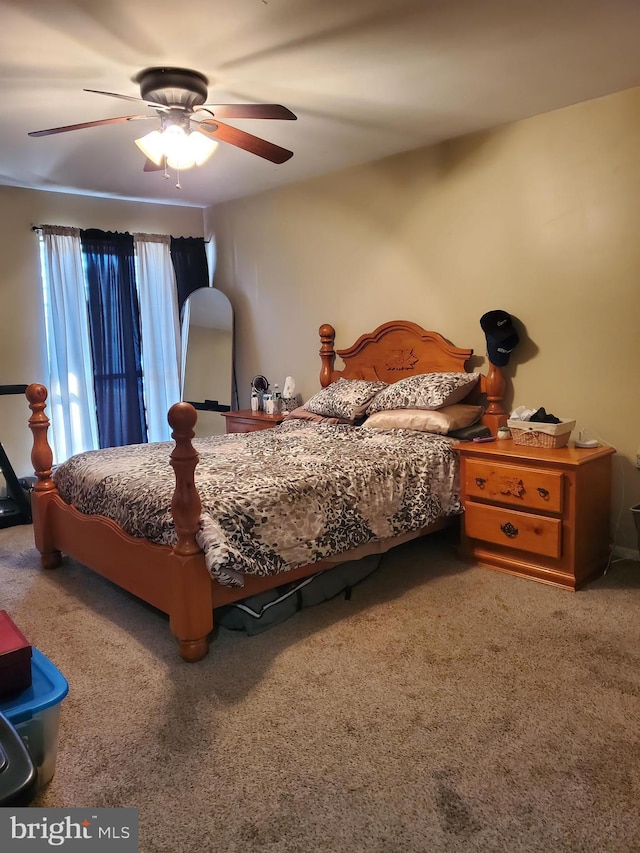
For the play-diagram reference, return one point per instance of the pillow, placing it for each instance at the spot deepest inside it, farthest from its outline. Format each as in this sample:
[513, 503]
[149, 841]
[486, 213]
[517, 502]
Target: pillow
[301, 414]
[424, 391]
[346, 399]
[427, 420]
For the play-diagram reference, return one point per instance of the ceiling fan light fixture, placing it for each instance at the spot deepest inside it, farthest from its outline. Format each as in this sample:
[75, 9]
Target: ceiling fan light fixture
[152, 146]
[182, 150]
[176, 148]
[201, 147]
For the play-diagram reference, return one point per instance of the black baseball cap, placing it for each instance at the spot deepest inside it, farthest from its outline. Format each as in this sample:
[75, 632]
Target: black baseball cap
[501, 336]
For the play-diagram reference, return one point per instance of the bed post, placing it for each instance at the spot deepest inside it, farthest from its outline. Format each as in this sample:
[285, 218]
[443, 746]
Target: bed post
[191, 616]
[493, 385]
[327, 353]
[185, 504]
[45, 488]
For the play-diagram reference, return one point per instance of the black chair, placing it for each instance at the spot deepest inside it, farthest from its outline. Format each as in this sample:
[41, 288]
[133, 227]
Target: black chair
[16, 507]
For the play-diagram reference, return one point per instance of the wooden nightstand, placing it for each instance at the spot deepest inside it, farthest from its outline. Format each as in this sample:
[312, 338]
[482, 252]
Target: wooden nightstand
[244, 420]
[539, 513]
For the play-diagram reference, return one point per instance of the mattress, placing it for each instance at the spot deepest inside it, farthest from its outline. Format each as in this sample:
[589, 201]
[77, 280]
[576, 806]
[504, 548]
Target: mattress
[275, 499]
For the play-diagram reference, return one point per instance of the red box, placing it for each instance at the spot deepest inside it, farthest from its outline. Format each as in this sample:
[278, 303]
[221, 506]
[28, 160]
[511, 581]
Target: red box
[15, 657]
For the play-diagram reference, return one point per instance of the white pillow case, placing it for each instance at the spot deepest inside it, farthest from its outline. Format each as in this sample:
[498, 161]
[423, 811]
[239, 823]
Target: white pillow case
[440, 421]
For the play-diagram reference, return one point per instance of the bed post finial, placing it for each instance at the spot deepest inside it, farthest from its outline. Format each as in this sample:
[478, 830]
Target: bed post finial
[185, 504]
[41, 453]
[327, 353]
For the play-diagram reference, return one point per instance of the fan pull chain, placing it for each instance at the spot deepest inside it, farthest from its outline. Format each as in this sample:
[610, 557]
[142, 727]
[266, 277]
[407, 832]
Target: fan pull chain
[166, 175]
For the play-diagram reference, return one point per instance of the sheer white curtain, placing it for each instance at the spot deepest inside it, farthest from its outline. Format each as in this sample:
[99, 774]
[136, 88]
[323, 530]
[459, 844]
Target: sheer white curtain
[71, 403]
[159, 330]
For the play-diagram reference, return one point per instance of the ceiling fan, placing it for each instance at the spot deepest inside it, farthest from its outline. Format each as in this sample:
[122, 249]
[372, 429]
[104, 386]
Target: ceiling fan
[178, 96]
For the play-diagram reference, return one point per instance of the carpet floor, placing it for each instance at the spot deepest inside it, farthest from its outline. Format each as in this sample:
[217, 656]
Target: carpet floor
[443, 708]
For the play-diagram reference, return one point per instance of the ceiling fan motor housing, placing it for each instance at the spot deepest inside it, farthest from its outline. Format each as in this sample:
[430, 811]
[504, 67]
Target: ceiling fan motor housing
[173, 87]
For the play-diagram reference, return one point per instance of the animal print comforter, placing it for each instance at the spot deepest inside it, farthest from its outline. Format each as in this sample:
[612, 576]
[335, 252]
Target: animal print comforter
[276, 499]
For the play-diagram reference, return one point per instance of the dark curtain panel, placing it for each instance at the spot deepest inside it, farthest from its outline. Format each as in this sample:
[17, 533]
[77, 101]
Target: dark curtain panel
[190, 264]
[114, 323]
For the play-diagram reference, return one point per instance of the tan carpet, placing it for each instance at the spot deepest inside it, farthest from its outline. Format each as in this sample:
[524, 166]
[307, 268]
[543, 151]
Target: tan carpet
[443, 708]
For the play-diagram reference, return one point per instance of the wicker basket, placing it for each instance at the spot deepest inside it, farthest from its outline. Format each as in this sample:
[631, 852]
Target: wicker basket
[540, 434]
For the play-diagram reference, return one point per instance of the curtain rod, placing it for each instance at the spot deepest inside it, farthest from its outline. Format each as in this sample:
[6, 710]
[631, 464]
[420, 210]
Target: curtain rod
[40, 227]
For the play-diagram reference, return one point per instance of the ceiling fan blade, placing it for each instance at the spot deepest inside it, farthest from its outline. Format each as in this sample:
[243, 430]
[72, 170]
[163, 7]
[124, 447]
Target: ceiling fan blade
[241, 139]
[132, 98]
[88, 124]
[249, 111]
[150, 166]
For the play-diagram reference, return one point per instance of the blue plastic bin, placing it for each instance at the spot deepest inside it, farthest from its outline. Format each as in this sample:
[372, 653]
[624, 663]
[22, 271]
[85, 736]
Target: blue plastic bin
[35, 714]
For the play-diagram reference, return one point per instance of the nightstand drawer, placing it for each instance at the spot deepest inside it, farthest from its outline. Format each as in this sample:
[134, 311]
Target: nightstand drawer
[529, 488]
[527, 532]
[245, 420]
[237, 425]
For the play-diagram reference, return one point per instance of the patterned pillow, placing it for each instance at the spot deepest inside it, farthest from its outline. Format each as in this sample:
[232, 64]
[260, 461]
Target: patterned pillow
[425, 391]
[346, 399]
[440, 421]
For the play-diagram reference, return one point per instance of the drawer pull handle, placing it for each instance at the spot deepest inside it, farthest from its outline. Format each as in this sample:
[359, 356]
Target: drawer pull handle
[544, 493]
[509, 530]
[480, 481]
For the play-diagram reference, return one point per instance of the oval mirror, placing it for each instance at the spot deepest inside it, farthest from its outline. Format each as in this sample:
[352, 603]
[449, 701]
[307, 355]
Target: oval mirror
[260, 384]
[207, 357]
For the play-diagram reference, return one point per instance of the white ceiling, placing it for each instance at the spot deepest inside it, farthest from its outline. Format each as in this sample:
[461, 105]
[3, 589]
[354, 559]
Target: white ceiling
[366, 78]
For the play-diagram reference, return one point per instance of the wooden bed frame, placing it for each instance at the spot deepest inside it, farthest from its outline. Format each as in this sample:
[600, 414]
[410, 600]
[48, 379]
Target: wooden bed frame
[175, 579]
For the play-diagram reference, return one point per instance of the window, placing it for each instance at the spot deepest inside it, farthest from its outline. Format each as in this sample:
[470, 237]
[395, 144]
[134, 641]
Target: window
[111, 313]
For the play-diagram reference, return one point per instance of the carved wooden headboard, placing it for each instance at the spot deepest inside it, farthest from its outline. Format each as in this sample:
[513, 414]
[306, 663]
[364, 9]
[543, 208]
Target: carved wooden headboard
[401, 348]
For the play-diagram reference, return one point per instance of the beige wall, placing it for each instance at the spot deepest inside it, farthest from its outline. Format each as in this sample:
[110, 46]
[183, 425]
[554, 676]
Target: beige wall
[540, 218]
[22, 356]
